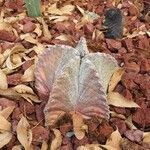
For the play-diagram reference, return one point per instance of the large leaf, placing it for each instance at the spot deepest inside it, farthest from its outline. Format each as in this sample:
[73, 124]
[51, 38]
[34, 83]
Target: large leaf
[77, 80]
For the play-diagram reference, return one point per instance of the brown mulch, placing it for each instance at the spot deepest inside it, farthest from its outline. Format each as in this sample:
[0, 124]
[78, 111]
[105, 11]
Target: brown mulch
[132, 53]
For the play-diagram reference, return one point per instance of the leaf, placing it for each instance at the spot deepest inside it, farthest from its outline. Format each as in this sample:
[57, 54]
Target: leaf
[45, 76]
[114, 140]
[79, 127]
[46, 31]
[57, 141]
[89, 147]
[76, 80]
[7, 111]
[18, 49]
[28, 75]
[3, 80]
[24, 133]
[22, 89]
[146, 137]
[5, 137]
[115, 79]
[44, 146]
[129, 123]
[4, 125]
[118, 100]
[17, 147]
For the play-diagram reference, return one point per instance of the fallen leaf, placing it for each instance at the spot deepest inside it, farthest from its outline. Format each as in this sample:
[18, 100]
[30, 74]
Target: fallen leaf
[79, 127]
[116, 115]
[89, 147]
[57, 141]
[146, 137]
[46, 31]
[22, 89]
[5, 137]
[44, 146]
[118, 100]
[3, 80]
[56, 19]
[113, 142]
[7, 111]
[31, 98]
[115, 79]
[17, 147]
[67, 9]
[4, 125]
[28, 74]
[38, 30]
[129, 122]
[62, 37]
[24, 133]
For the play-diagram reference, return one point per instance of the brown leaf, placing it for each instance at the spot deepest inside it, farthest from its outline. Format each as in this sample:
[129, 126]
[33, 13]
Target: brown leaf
[146, 137]
[22, 89]
[5, 137]
[17, 147]
[79, 127]
[7, 111]
[89, 147]
[57, 141]
[115, 79]
[28, 74]
[3, 80]
[24, 133]
[4, 125]
[44, 146]
[118, 100]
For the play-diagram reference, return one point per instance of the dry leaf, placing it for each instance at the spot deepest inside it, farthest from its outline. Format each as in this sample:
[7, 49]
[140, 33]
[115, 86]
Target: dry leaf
[67, 9]
[46, 31]
[28, 75]
[115, 79]
[89, 147]
[5, 137]
[56, 19]
[116, 115]
[146, 137]
[118, 100]
[31, 98]
[23, 89]
[114, 140]
[28, 37]
[18, 49]
[44, 146]
[38, 30]
[62, 37]
[57, 141]
[24, 133]
[78, 81]
[7, 111]
[129, 123]
[79, 127]
[4, 125]
[17, 147]
[3, 80]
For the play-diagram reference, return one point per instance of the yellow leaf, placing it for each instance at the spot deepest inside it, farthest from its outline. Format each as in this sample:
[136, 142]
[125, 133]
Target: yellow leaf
[114, 140]
[44, 146]
[21, 88]
[57, 141]
[118, 100]
[46, 31]
[17, 147]
[28, 74]
[78, 126]
[7, 111]
[116, 77]
[30, 98]
[4, 125]
[24, 133]
[129, 123]
[146, 137]
[67, 9]
[5, 137]
[38, 30]
[89, 147]
[3, 80]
